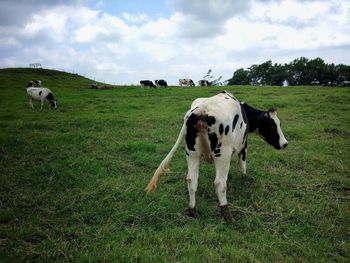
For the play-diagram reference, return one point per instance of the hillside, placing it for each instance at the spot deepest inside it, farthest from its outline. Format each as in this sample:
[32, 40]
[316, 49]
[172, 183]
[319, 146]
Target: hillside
[73, 179]
[19, 77]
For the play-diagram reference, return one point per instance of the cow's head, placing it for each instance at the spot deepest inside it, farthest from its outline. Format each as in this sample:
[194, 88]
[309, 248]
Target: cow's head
[270, 130]
[53, 104]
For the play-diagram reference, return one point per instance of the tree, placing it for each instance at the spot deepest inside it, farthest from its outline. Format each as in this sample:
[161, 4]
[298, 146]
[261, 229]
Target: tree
[317, 71]
[240, 77]
[279, 73]
[297, 71]
[301, 71]
[343, 73]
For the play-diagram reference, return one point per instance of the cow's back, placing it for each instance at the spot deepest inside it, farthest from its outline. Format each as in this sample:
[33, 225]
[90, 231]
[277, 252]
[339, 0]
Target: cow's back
[38, 93]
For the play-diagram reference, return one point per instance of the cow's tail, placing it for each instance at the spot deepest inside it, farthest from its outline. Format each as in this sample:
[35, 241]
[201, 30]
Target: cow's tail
[202, 127]
[164, 164]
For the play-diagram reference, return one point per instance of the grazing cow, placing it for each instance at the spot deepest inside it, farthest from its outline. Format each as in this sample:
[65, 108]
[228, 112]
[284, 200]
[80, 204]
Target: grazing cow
[216, 129]
[186, 82]
[34, 83]
[41, 94]
[203, 82]
[161, 82]
[147, 83]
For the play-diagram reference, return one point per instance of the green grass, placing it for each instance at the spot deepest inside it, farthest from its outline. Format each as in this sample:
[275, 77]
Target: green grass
[73, 180]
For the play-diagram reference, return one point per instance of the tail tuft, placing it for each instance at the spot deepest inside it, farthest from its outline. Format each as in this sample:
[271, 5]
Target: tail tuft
[164, 164]
[153, 183]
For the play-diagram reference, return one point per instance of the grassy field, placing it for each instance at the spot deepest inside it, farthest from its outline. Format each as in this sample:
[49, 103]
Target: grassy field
[73, 180]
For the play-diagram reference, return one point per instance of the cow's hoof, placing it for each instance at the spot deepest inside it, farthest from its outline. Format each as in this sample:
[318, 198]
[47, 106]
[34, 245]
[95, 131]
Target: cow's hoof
[226, 214]
[192, 212]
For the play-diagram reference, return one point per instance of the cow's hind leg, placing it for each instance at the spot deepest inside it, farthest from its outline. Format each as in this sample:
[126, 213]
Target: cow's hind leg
[242, 161]
[193, 161]
[222, 167]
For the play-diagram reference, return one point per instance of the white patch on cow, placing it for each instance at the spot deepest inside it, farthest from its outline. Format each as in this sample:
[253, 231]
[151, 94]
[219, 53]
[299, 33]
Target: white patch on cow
[282, 141]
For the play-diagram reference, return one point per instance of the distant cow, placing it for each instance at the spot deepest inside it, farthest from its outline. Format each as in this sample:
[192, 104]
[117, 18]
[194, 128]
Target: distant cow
[42, 95]
[147, 83]
[161, 82]
[216, 129]
[203, 82]
[34, 83]
[186, 82]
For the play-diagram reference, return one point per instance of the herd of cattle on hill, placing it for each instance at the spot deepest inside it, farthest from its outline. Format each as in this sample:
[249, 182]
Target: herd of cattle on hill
[182, 82]
[36, 92]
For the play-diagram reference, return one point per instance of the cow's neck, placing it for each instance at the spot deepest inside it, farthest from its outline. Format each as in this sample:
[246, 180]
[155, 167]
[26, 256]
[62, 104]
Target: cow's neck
[254, 116]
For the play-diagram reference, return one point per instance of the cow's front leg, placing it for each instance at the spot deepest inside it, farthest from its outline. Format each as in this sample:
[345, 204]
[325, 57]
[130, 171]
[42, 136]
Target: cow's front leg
[31, 103]
[242, 156]
[193, 161]
[222, 167]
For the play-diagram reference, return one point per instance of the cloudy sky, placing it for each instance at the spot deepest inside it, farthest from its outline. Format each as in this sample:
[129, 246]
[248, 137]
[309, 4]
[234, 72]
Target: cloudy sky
[123, 41]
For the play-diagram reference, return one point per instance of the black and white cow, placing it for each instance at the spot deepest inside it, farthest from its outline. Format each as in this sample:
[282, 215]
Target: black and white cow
[186, 82]
[216, 129]
[203, 82]
[147, 83]
[161, 83]
[42, 95]
[34, 83]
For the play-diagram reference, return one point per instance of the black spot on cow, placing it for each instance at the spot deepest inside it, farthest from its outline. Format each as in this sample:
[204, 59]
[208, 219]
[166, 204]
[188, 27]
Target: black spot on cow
[40, 92]
[234, 122]
[213, 138]
[49, 96]
[192, 130]
[245, 119]
[221, 129]
[217, 155]
[187, 153]
[227, 129]
[210, 120]
[219, 145]
[227, 98]
[191, 133]
[241, 124]
[217, 151]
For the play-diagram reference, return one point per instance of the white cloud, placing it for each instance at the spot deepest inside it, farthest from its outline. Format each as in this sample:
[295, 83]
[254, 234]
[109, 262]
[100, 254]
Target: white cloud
[89, 33]
[222, 35]
[135, 18]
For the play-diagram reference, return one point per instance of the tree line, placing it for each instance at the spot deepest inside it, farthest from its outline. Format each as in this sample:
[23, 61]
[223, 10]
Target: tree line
[301, 71]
